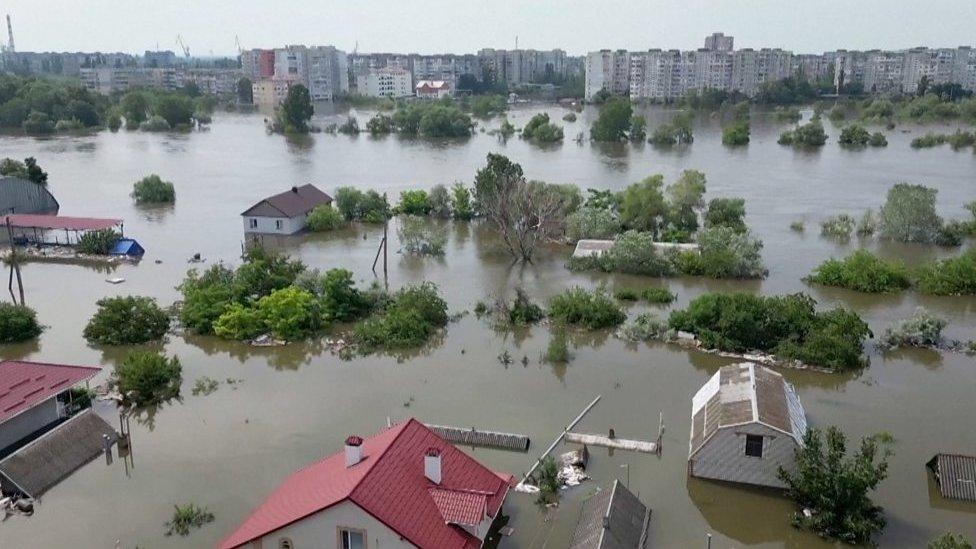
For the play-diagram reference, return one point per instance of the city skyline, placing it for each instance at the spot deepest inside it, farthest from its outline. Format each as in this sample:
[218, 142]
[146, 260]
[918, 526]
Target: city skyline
[439, 27]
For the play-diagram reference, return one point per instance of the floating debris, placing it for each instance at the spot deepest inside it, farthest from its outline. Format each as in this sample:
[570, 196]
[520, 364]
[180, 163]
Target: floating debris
[115, 280]
[267, 341]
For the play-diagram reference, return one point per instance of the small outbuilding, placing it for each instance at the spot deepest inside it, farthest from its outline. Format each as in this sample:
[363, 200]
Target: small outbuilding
[127, 247]
[956, 475]
[284, 213]
[612, 519]
[20, 196]
[746, 423]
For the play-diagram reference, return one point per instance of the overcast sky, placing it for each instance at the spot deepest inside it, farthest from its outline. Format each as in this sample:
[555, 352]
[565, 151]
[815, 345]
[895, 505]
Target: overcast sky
[464, 26]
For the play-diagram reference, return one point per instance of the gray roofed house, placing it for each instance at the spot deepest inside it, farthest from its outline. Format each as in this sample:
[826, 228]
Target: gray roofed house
[746, 423]
[20, 196]
[612, 519]
[284, 213]
[956, 475]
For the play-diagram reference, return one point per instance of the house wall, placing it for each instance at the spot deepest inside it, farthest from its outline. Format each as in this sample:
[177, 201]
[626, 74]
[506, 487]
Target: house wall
[266, 225]
[723, 457]
[321, 530]
[28, 422]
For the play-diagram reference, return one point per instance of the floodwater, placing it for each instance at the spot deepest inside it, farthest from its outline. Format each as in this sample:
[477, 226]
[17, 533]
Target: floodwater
[296, 404]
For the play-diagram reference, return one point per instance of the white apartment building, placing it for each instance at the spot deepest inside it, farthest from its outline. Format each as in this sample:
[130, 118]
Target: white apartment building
[718, 42]
[386, 82]
[322, 69]
[607, 70]
[883, 72]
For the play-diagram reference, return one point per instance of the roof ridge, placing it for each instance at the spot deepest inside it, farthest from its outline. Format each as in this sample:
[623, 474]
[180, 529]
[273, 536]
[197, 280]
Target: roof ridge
[56, 365]
[402, 427]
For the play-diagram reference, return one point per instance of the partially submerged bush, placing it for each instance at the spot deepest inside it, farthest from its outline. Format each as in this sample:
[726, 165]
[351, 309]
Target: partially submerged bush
[656, 294]
[414, 202]
[626, 294]
[324, 218]
[862, 271]
[736, 133]
[725, 253]
[420, 236]
[811, 134]
[788, 326]
[839, 226]
[592, 223]
[557, 352]
[413, 314]
[645, 328]
[909, 214]
[356, 205]
[952, 276]
[187, 517]
[922, 329]
[854, 135]
[98, 242]
[592, 309]
[146, 378]
[153, 190]
[726, 212]
[155, 124]
[541, 130]
[523, 311]
[18, 323]
[126, 320]
[289, 314]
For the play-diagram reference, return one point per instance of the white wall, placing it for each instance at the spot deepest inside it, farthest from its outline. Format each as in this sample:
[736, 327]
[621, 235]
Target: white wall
[723, 456]
[267, 225]
[28, 422]
[320, 531]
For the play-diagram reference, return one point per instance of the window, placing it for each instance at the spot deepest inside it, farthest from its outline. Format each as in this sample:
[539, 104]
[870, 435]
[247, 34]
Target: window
[285, 543]
[253, 223]
[350, 538]
[754, 446]
[279, 224]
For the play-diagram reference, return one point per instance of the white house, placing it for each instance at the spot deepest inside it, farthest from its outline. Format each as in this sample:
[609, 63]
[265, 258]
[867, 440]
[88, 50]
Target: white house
[385, 82]
[432, 89]
[403, 487]
[284, 213]
[746, 423]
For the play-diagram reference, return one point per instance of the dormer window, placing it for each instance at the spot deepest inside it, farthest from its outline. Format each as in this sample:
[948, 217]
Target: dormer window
[754, 446]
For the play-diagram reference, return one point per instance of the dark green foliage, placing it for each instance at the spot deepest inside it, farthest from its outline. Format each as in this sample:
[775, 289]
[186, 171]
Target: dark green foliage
[412, 316]
[679, 131]
[592, 309]
[547, 479]
[98, 242]
[854, 135]
[296, 110]
[147, 377]
[245, 91]
[787, 91]
[523, 311]
[28, 169]
[486, 106]
[541, 130]
[811, 134]
[420, 236]
[788, 326]
[726, 212]
[909, 214]
[414, 202]
[724, 252]
[835, 486]
[655, 294]
[18, 323]
[633, 252]
[642, 205]
[614, 122]
[176, 109]
[127, 320]
[922, 329]
[788, 114]
[355, 205]
[135, 108]
[736, 133]
[638, 128]
[38, 123]
[961, 139]
[592, 223]
[153, 190]
[324, 218]
[878, 139]
[949, 540]
[349, 127]
[626, 294]
[440, 118]
[461, 202]
[862, 271]
[928, 140]
[288, 314]
[440, 202]
[186, 517]
[953, 276]
[380, 124]
[341, 300]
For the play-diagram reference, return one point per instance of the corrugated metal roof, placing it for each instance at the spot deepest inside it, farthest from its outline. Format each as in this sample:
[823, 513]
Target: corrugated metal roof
[31, 221]
[43, 463]
[291, 203]
[24, 384]
[19, 196]
[956, 475]
[460, 507]
[388, 483]
[612, 519]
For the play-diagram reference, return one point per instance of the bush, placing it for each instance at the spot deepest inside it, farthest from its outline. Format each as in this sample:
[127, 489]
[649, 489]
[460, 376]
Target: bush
[594, 310]
[412, 316]
[420, 236]
[726, 212]
[569, 117]
[349, 127]
[592, 223]
[153, 190]
[439, 199]
[634, 253]
[126, 321]
[626, 294]
[953, 276]
[98, 242]
[655, 294]
[909, 215]
[155, 124]
[146, 377]
[854, 135]
[727, 253]
[922, 329]
[949, 540]
[878, 139]
[324, 218]
[614, 121]
[787, 326]
[645, 328]
[206, 297]
[289, 314]
[736, 133]
[811, 134]
[523, 311]
[239, 322]
[461, 202]
[18, 323]
[788, 114]
[68, 126]
[380, 124]
[485, 106]
[540, 129]
[414, 203]
[432, 119]
[38, 123]
[862, 271]
[961, 139]
[355, 205]
[839, 226]
[642, 205]
[186, 517]
[340, 300]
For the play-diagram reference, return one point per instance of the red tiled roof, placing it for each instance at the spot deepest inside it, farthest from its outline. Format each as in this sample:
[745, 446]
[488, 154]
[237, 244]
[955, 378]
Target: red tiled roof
[459, 507]
[293, 202]
[24, 385]
[389, 484]
[39, 221]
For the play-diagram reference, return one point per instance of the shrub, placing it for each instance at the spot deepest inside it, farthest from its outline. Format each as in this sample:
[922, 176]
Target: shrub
[839, 226]
[557, 352]
[540, 129]
[18, 323]
[614, 121]
[645, 328]
[626, 294]
[153, 190]
[38, 123]
[340, 300]
[98, 242]
[862, 271]
[909, 215]
[642, 205]
[523, 311]
[835, 486]
[206, 297]
[461, 202]
[797, 226]
[868, 224]
[146, 377]
[961, 140]
[811, 134]
[412, 316]
[726, 212]
[421, 237]
[727, 253]
[355, 205]
[878, 139]
[592, 223]
[787, 326]
[788, 114]
[736, 133]
[289, 313]
[155, 124]
[324, 218]
[72, 125]
[126, 320]
[952, 276]
[922, 329]
[239, 322]
[349, 127]
[186, 517]
[380, 124]
[594, 310]
[656, 294]
[949, 540]
[439, 199]
[414, 203]
[854, 135]
[569, 117]
[634, 253]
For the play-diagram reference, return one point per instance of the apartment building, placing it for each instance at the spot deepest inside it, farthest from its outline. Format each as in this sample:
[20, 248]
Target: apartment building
[903, 71]
[385, 82]
[258, 63]
[718, 42]
[607, 70]
[322, 69]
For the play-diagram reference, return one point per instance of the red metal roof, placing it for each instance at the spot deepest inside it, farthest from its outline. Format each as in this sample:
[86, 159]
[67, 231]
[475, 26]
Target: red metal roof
[460, 507]
[389, 484]
[24, 385]
[36, 221]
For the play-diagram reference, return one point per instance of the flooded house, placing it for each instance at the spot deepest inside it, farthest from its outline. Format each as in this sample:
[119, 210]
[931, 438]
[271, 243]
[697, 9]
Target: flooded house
[284, 213]
[747, 422]
[46, 430]
[956, 476]
[612, 518]
[403, 487]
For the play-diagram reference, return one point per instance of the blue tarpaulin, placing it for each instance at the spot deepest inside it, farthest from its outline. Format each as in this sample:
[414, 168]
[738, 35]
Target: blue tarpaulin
[127, 246]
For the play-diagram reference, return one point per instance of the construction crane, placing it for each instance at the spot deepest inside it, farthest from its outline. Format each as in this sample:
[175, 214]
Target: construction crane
[179, 42]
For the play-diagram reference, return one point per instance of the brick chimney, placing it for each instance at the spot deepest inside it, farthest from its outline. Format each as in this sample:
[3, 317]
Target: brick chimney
[354, 450]
[432, 465]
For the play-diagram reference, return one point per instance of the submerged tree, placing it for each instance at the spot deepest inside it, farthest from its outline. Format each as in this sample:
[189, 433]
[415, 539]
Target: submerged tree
[296, 110]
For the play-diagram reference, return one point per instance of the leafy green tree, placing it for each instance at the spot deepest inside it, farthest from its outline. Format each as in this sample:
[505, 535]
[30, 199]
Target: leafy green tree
[206, 297]
[614, 121]
[414, 202]
[135, 108]
[541, 130]
[835, 486]
[380, 124]
[84, 112]
[412, 316]
[324, 218]
[590, 222]
[638, 128]
[245, 92]
[862, 271]
[486, 106]
[685, 199]
[909, 214]
[296, 110]
[725, 252]
[341, 300]
[175, 108]
[461, 202]
[38, 123]
[854, 135]
[420, 237]
[593, 309]
[726, 212]
[153, 190]
[126, 320]
[811, 134]
[445, 121]
[18, 323]
[736, 133]
[289, 313]
[264, 272]
[642, 205]
[440, 202]
[146, 377]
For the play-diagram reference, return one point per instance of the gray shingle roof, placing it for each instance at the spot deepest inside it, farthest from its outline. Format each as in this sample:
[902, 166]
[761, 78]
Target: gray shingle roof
[612, 519]
[291, 203]
[956, 475]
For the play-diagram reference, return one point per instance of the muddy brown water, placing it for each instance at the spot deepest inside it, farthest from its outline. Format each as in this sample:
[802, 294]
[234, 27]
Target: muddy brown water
[296, 404]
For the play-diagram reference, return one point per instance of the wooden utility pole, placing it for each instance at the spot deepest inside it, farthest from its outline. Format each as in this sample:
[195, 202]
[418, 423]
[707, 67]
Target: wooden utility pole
[14, 266]
[383, 248]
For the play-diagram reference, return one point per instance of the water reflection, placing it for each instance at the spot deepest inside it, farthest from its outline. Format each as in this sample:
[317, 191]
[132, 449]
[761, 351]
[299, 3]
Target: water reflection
[289, 357]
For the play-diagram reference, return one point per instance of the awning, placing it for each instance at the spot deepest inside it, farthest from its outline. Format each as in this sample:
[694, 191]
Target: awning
[34, 221]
